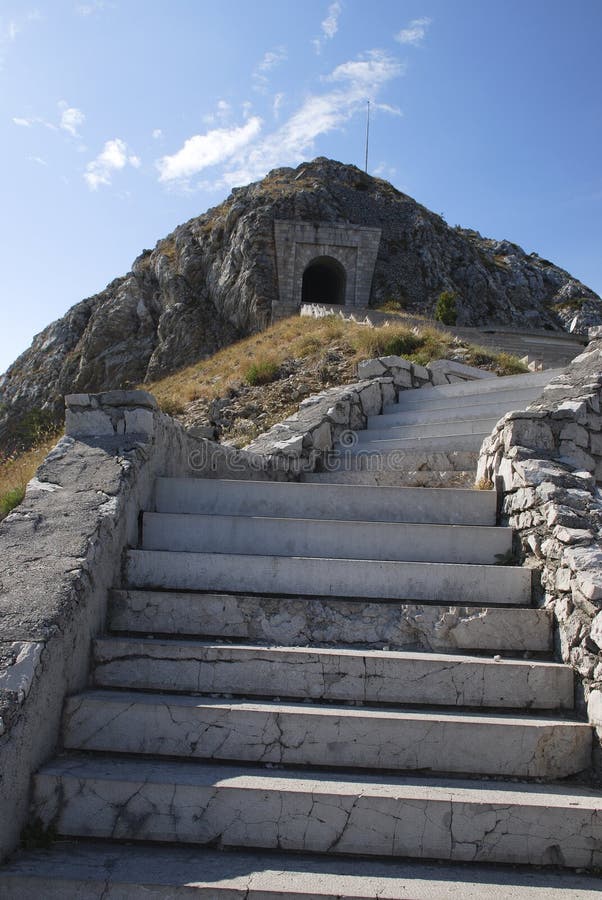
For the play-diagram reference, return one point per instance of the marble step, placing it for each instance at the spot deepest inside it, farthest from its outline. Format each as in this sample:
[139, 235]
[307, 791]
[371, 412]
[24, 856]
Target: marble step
[423, 479]
[467, 425]
[442, 443]
[432, 403]
[446, 413]
[400, 461]
[316, 620]
[351, 502]
[308, 734]
[434, 582]
[445, 819]
[267, 536]
[487, 386]
[104, 870]
[332, 674]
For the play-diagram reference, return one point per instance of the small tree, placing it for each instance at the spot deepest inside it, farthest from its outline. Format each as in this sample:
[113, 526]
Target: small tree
[446, 310]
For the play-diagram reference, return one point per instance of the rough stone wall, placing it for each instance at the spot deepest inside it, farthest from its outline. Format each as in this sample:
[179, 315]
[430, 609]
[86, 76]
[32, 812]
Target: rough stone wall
[547, 462]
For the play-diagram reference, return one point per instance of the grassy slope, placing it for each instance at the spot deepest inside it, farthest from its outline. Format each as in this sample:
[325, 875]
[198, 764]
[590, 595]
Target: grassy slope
[296, 357]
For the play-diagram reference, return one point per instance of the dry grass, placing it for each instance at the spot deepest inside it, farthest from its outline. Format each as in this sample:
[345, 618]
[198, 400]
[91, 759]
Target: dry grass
[17, 470]
[303, 338]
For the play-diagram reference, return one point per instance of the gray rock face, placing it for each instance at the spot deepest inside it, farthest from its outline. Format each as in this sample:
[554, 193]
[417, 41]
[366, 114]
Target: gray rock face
[214, 280]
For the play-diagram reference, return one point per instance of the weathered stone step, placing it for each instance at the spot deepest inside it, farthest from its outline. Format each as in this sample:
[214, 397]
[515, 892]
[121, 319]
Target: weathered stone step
[312, 620]
[427, 430]
[429, 444]
[304, 734]
[266, 536]
[398, 462]
[445, 819]
[369, 676]
[429, 400]
[434, 582]
[306, 501]
[459, 479]
[488, 386]
[103, 870]
[450, 413]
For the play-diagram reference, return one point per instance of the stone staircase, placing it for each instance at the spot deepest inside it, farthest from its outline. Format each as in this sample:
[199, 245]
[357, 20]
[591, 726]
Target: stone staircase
[297, 677]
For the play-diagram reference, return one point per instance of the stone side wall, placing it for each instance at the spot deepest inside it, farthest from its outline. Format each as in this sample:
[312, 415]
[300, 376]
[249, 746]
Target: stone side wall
[61, 552]
[305, 439]
[547, 464]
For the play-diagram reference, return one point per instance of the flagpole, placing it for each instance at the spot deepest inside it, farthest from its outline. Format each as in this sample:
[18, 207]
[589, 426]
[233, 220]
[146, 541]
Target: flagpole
[367, 134]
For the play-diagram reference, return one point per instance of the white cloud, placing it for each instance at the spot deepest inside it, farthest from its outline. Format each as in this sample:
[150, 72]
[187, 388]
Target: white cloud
[23, 122]
[414, 33]
[203, 150]
[12, 30]
[270, 60]
[38, 160]
[277, 104]
[113, 157]
[318, 115]
[93, 6]
[157, 133]
[71, 118]
[222, 113]
[330, 25]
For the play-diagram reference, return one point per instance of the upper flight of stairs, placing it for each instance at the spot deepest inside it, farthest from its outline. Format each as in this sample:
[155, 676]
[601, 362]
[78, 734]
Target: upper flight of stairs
[339, 670]
[431, 437]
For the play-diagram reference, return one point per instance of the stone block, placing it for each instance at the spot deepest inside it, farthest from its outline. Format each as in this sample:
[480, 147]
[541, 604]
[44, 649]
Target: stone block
[90, 423]
[371, 399]
[395, 362]
[528, 432]
[139, 421]
[322, 437]
[576, 433]
[575, 456]
[421, 373]
[596, 631]
[370, 368]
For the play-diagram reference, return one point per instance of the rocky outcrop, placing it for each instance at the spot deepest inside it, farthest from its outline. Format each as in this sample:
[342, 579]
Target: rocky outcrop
[214, 279]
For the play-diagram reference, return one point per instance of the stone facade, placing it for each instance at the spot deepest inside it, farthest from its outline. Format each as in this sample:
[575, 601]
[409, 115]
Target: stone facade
[547, 463]
[298, 244]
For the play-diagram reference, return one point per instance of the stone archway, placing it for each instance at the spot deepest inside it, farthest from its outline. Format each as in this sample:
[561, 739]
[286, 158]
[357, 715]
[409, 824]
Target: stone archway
[324, 281]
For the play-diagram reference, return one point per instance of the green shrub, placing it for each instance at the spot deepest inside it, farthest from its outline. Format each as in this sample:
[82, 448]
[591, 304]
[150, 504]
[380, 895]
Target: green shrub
[446, 310]
[262, 372]
[10, 500]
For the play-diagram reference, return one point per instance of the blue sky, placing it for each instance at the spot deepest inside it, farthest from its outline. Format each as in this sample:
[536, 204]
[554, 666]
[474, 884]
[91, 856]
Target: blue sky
[119, 119]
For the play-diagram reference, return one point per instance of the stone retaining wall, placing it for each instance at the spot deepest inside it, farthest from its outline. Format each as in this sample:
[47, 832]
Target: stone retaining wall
[547, 464]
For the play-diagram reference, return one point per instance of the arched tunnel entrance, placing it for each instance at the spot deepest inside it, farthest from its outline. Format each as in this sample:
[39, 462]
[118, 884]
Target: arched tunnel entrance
[324, 281]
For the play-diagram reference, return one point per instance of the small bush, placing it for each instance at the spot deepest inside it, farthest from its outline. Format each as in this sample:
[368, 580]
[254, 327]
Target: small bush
[446, 310]
[262, 372]
[10, 500]
[172, 407]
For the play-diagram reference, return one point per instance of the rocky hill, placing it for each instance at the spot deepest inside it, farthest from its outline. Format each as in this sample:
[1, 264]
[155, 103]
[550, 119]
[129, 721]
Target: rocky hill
[214, 278]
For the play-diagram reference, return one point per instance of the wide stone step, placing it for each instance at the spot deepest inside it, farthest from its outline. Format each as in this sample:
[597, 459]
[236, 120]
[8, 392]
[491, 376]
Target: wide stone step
[102, 870]
[490, 386]
[305, 734]
[445, 819]
[447, 413]
[433, 429]
[312, 620]
[306, 501]
[431, 401]
[398, 462]
[428, 444]
[435, 582]
[367, 676]
[458, 479]
[323, 537]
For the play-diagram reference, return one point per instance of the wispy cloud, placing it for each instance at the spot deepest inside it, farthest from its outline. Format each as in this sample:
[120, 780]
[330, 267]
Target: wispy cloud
[277, 104]
[114, 157]
[91, 7]
[319, 114]
[415, 32]
[10, 29]
[222, 113]
[271, 60]
[157, 134]
[204, 150]
[330, 25]
[38, 160]
[71, 118]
